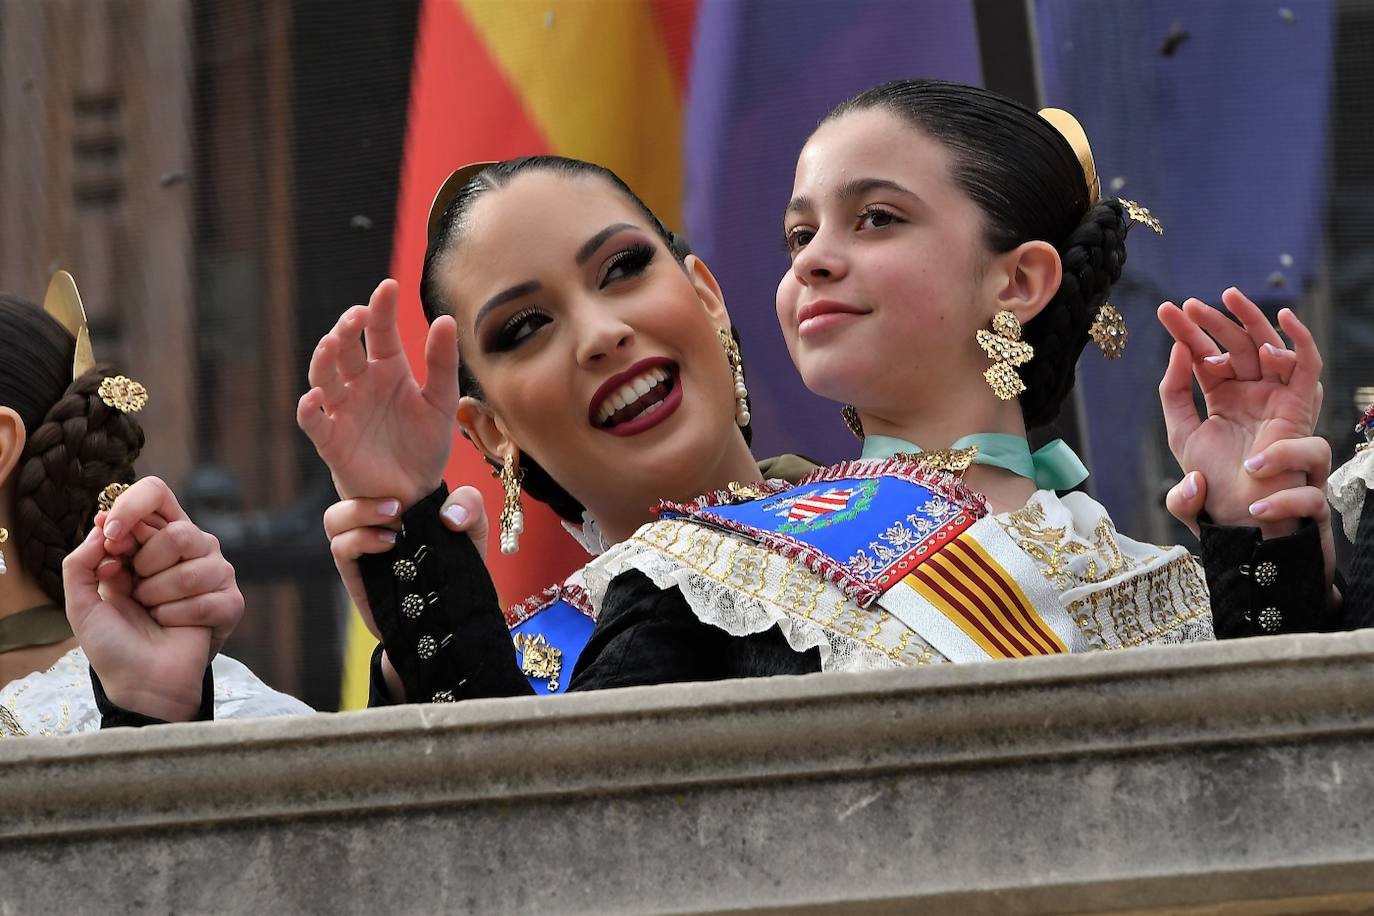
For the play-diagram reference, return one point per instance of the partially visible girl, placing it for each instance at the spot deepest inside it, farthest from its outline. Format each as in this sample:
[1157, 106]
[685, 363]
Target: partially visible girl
[119, 620]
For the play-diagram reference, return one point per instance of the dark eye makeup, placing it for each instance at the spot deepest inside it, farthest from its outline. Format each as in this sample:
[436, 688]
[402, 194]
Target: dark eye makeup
[625, 264]
[628, 262]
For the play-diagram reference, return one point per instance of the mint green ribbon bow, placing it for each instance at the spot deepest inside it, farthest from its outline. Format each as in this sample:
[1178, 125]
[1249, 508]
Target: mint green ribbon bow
[1052, 467]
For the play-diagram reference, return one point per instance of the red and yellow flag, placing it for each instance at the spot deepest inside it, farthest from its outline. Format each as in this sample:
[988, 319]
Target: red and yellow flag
[494, 79]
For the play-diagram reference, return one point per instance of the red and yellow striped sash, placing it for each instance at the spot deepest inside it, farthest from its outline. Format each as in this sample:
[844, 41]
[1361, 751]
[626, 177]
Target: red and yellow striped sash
[972, 589]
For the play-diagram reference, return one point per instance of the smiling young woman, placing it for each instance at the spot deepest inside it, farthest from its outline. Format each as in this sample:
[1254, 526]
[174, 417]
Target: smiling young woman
[598, 370]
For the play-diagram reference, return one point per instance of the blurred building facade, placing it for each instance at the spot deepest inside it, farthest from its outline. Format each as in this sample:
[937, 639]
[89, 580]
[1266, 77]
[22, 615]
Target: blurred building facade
[220, 179]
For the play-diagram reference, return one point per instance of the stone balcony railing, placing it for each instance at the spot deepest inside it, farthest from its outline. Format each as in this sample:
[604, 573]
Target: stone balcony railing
[1232, 778]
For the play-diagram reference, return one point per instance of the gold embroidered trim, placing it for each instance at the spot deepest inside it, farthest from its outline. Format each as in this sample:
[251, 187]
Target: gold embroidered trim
[1144, 607]
[1053, 549]
[9, 725]
[746, 568]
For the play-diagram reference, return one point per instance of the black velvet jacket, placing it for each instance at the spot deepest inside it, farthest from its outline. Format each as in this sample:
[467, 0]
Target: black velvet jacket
[446, 635]
[644, 635]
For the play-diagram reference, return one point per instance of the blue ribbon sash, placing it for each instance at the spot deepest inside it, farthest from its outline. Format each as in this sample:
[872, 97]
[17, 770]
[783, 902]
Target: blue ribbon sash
[864, 525]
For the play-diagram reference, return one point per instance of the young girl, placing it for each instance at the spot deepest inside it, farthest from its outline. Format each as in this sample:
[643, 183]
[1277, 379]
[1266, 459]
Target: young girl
[950, 260]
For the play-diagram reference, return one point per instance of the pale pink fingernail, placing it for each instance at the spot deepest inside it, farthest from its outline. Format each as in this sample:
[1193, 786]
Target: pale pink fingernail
[112, 529]
[456, 515]
[1214, 360]
[1259, 508]
[389, 508]
[388, 536]
[1254, 463]
[1190, 486]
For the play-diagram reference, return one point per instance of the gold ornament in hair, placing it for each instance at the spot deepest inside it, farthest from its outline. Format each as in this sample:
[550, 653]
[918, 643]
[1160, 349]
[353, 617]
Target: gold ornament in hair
[1142, 215]
[1108, 331]
[123, 394]
[447, 191]
[63, 302]
[1072, 131]
[1004, 346]
[106, 500]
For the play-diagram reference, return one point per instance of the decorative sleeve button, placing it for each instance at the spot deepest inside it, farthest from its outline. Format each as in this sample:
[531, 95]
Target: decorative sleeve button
[407, 570]
[1270, 619]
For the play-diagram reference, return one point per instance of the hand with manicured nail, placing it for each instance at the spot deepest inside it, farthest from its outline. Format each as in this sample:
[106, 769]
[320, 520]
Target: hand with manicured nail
[368, 526]
[1257, 391]
[379, 430]
[151, 599]
[1309, 457]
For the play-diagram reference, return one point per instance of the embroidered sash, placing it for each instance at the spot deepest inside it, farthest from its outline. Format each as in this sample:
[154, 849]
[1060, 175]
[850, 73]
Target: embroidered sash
[918, 544]
[863, 525]
[550, 630]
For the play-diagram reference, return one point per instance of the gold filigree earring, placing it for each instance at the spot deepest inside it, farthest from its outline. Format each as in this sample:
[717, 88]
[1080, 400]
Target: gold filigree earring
[732, 356]
[4, 536]
[851, 419]
[1003, 345]
[512, 517]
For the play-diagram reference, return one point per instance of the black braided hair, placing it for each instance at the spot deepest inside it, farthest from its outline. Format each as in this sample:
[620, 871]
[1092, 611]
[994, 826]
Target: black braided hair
[1029, 184]
[75, 446]
[537, 482]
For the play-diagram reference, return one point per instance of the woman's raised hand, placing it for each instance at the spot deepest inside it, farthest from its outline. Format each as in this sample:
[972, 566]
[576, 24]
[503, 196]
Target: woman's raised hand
[1257, 393]
[379, 430]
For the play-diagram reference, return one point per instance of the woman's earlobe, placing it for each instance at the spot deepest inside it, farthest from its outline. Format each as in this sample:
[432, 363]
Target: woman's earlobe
[482, 428]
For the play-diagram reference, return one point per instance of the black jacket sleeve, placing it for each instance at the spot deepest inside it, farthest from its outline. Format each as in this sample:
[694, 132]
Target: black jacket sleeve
[112, 716]
[437, 610]
[646, 635]
[1359, 597]
[1261, 587]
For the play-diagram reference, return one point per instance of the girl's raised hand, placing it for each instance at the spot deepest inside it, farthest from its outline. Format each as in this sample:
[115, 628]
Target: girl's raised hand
[1257, 393]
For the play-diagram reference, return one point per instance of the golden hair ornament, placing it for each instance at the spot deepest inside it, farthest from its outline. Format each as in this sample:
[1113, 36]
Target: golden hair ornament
[106, 500]
[1142, 215]
[63, 302]
[1108, 331]
[123, 394]
[447, 191]
[1072, 131]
